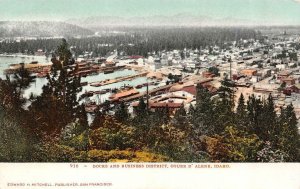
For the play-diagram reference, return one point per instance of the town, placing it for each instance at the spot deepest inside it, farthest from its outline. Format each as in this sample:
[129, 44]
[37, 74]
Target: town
[126, 102]
[259, 67]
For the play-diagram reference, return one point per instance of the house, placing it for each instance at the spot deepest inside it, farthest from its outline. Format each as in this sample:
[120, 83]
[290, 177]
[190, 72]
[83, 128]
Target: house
[153, 106]
[281, 66]
[255, 79]
[110, 64]
[39, 52]
[293, 89]
[264, 73]
[123, 94]
[288, 81]
[161, 105]
[248, 72]
[284, 74]
[208, 74]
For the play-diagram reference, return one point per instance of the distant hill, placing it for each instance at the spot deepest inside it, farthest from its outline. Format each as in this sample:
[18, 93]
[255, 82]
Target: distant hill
[41, 29]
[149, 21]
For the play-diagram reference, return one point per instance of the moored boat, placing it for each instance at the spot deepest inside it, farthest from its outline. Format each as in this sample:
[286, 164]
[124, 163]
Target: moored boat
[108, 71]
[139, 86]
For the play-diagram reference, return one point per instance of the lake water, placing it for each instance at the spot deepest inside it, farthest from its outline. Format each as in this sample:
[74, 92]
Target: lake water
[36, 87]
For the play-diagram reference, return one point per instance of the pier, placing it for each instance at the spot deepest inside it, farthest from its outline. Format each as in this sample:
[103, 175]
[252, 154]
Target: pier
[116, 80]
[162, 88]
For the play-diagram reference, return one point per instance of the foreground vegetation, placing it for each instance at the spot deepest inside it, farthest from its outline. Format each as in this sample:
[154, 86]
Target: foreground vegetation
[54, 126]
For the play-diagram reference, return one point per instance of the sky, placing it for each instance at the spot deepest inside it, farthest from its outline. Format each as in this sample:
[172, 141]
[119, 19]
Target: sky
[275, 11]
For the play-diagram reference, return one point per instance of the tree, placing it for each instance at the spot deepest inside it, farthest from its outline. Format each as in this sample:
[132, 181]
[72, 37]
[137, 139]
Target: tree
[64, 53]
[202, 119]
[255, 115]
[180, 119]
[173, 143]
[270, 154]
[16, 143]
[141, 113]
[224, 106]
[22, 78]
[58, 105]
[233, 146]
[83, 121]
[98, 120]
[241, 114]
[242, 146]
[170, 76]
[214, 70]
[282, 86]
[269, 125]
[121, 113]
[191, 112]
[113, 135]
[289, 137]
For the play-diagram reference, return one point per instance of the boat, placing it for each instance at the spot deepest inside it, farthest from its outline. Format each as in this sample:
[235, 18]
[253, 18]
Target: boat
[139, 86]
[114, 90]
[126, 87]
[87, 94]
[101, 92]
[83, 83]
[108, 71]
[99, 84]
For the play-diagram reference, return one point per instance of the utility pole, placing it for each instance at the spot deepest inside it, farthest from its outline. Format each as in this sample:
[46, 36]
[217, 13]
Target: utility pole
[230, 69]
[147, 95]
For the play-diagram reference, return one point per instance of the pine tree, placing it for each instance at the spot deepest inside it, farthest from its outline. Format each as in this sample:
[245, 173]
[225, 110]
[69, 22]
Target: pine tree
[58, 105]
[255, 115]
[142, 116]
[269, 118]
[22, 78]
[121, 113]
[164, 115]
[141, 109]
[191, 110]
[202, 121]
[68, 82]
[180, 119]
[98, 120]
[289, 140]
[224, 106]
[226, 92]
[83, 120]
[241, 114]
[16, 142]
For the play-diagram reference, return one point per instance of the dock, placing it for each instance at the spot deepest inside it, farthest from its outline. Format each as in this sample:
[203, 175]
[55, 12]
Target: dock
[116, 80]
[34, 68]
[162, 88]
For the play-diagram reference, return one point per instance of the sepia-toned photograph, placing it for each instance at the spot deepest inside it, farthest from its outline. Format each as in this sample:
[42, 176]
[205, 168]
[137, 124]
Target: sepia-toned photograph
[149, 81]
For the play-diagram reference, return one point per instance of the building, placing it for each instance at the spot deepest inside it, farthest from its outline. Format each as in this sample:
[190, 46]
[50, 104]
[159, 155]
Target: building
[123, 94]
[288, 81]
[248, 72]
[283, 74]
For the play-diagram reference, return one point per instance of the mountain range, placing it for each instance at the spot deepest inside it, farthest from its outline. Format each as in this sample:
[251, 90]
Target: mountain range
[90, 25]
[41, 29]
[149, 21]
